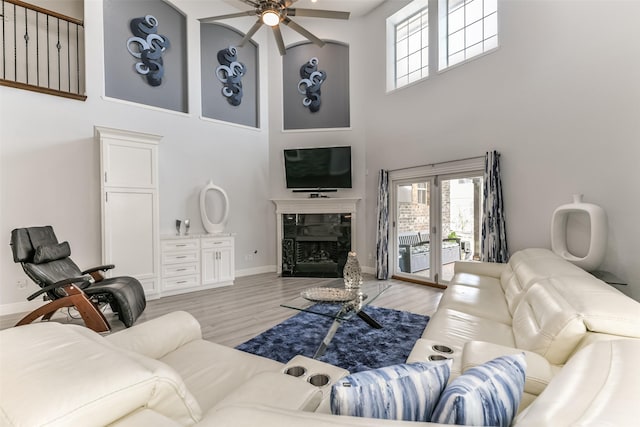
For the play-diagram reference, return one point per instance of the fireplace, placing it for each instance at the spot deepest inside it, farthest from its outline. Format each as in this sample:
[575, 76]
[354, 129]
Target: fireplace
[315, 245]
[314, 235]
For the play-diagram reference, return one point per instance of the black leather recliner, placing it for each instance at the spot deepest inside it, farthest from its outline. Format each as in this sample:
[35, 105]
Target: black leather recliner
[48, 264]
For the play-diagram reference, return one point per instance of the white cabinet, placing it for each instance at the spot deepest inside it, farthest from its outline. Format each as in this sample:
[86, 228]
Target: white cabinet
[197, 262]
[180, 265]
[217, 261]
[129, 205]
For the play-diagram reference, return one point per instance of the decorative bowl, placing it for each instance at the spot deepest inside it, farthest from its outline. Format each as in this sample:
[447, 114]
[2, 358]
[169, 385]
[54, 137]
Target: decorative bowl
[329, 294]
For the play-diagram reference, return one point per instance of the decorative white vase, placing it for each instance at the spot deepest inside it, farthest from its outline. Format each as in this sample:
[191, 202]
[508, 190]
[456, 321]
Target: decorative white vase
[210, 226]
[596, 229]
[352, 272]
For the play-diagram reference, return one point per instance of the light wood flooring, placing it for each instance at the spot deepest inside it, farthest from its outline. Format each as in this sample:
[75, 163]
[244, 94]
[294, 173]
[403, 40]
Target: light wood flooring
[231, 315]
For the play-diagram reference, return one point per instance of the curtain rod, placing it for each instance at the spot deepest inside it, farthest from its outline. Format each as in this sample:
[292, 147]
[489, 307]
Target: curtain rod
[437, 164]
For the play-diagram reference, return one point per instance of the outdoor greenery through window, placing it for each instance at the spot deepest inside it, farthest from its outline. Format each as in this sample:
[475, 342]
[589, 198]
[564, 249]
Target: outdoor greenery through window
[412, 48]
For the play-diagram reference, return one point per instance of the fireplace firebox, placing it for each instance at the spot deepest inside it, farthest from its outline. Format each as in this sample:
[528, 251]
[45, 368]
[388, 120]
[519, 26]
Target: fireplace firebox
[315, 245]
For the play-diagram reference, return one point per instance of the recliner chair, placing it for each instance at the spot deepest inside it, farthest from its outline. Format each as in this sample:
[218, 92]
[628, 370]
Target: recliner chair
[48, 264]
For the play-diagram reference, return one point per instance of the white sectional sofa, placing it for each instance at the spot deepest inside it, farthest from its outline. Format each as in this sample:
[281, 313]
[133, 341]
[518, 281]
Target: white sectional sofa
[582, 366]
[538, 303]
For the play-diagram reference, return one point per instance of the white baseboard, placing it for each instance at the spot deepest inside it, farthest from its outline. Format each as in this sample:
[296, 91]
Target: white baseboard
[20, 307]
[368, 270]
[256, 270]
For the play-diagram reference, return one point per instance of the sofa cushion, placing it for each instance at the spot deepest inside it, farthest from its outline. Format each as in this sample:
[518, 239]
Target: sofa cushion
[546, 323]
[532, 265]
[75, 377]
[487, 302]
[400, 392]
[539, 371]
[486, 395]
[248, 415]
[160, 336]
[145, 417]
[603, 308]
[454, 328]
[212, 370]
[603, 379]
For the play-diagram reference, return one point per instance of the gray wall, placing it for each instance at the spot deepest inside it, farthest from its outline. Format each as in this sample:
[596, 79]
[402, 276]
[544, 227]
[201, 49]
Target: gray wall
[333, 58]
[121, 79]
[215, 37]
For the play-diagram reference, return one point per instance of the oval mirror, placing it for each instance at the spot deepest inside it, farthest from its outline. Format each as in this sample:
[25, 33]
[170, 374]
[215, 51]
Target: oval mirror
[214, 208]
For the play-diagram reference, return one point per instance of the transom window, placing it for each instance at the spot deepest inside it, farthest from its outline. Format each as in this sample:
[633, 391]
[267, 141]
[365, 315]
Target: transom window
[462, 29]
[471, 29]
[412, 48]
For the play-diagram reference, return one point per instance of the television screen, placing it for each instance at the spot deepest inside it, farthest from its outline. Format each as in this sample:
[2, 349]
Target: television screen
[318, 168]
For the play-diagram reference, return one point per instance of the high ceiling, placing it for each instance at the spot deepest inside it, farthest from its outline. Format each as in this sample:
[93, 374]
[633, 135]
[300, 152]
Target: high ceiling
[356, 7]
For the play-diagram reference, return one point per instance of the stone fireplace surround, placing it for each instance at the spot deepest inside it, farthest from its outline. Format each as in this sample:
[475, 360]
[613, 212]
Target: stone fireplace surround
[321, 205]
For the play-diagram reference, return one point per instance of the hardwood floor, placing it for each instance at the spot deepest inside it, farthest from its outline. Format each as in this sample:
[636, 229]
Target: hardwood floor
[231, 315]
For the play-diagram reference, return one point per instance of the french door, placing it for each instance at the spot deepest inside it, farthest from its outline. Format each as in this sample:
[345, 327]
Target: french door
[436, 221]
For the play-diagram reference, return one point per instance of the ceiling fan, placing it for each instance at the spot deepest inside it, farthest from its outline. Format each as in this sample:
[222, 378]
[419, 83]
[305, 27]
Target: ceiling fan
[274, 12]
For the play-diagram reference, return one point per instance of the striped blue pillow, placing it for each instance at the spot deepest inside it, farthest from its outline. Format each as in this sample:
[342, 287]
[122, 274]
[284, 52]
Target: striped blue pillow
[487, 395]
[399, 392]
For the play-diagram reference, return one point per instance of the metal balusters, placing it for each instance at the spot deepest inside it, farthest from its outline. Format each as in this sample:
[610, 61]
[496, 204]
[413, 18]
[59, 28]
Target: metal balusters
[34, 57]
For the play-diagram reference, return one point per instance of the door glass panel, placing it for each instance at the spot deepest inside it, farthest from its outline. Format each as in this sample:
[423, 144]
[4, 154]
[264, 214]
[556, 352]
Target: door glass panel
[461, 201]
[413, 200]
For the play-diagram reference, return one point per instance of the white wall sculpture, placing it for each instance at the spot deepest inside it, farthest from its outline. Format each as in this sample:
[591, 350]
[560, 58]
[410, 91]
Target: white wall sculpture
[597, 229]
[209, 226]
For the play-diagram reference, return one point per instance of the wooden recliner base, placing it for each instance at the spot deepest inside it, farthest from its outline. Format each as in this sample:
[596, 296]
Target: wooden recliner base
[93, 318]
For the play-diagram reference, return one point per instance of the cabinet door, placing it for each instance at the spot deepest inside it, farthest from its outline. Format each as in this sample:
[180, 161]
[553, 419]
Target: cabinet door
[209, 269]
[130, 222]
[129, 164]
[225, 264]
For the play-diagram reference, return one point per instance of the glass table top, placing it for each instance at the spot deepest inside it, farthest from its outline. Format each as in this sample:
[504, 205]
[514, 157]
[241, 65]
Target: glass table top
[342, 310]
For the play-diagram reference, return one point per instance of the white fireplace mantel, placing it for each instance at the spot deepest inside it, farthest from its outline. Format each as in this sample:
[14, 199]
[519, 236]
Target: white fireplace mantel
[319, 205]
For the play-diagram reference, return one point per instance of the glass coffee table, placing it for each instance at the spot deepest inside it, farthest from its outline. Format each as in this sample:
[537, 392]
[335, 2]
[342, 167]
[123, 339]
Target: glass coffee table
[339, 304]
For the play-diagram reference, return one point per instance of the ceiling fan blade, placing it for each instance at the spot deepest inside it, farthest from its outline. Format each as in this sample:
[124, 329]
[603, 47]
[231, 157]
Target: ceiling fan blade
[315, 13]
[231, 15]
[288, 3]
[295, 27]
[251, 3]
[279, 41]
[251, 32]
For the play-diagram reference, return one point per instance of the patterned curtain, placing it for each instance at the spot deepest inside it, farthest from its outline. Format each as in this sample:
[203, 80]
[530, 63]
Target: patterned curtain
[382, 247]
[494, 234]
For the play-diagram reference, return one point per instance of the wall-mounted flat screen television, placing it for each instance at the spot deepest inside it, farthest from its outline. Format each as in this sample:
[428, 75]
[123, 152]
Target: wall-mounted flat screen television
[318, 168]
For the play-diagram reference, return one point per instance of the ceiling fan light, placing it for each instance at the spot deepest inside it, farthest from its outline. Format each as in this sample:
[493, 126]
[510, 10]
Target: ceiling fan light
[270, 18]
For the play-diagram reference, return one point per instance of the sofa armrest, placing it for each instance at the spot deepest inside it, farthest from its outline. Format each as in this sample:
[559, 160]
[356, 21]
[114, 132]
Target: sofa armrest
[598, 387]
[278, 390]
[160, 336]
[539, 371]
[490, 269]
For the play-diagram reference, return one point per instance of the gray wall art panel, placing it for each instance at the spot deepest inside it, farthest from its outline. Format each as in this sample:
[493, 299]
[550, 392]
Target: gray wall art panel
[215, 105]
[122, 81]
[333, 112]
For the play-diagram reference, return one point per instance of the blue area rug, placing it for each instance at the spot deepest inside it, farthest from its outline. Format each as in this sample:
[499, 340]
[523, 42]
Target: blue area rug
[355, 347]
